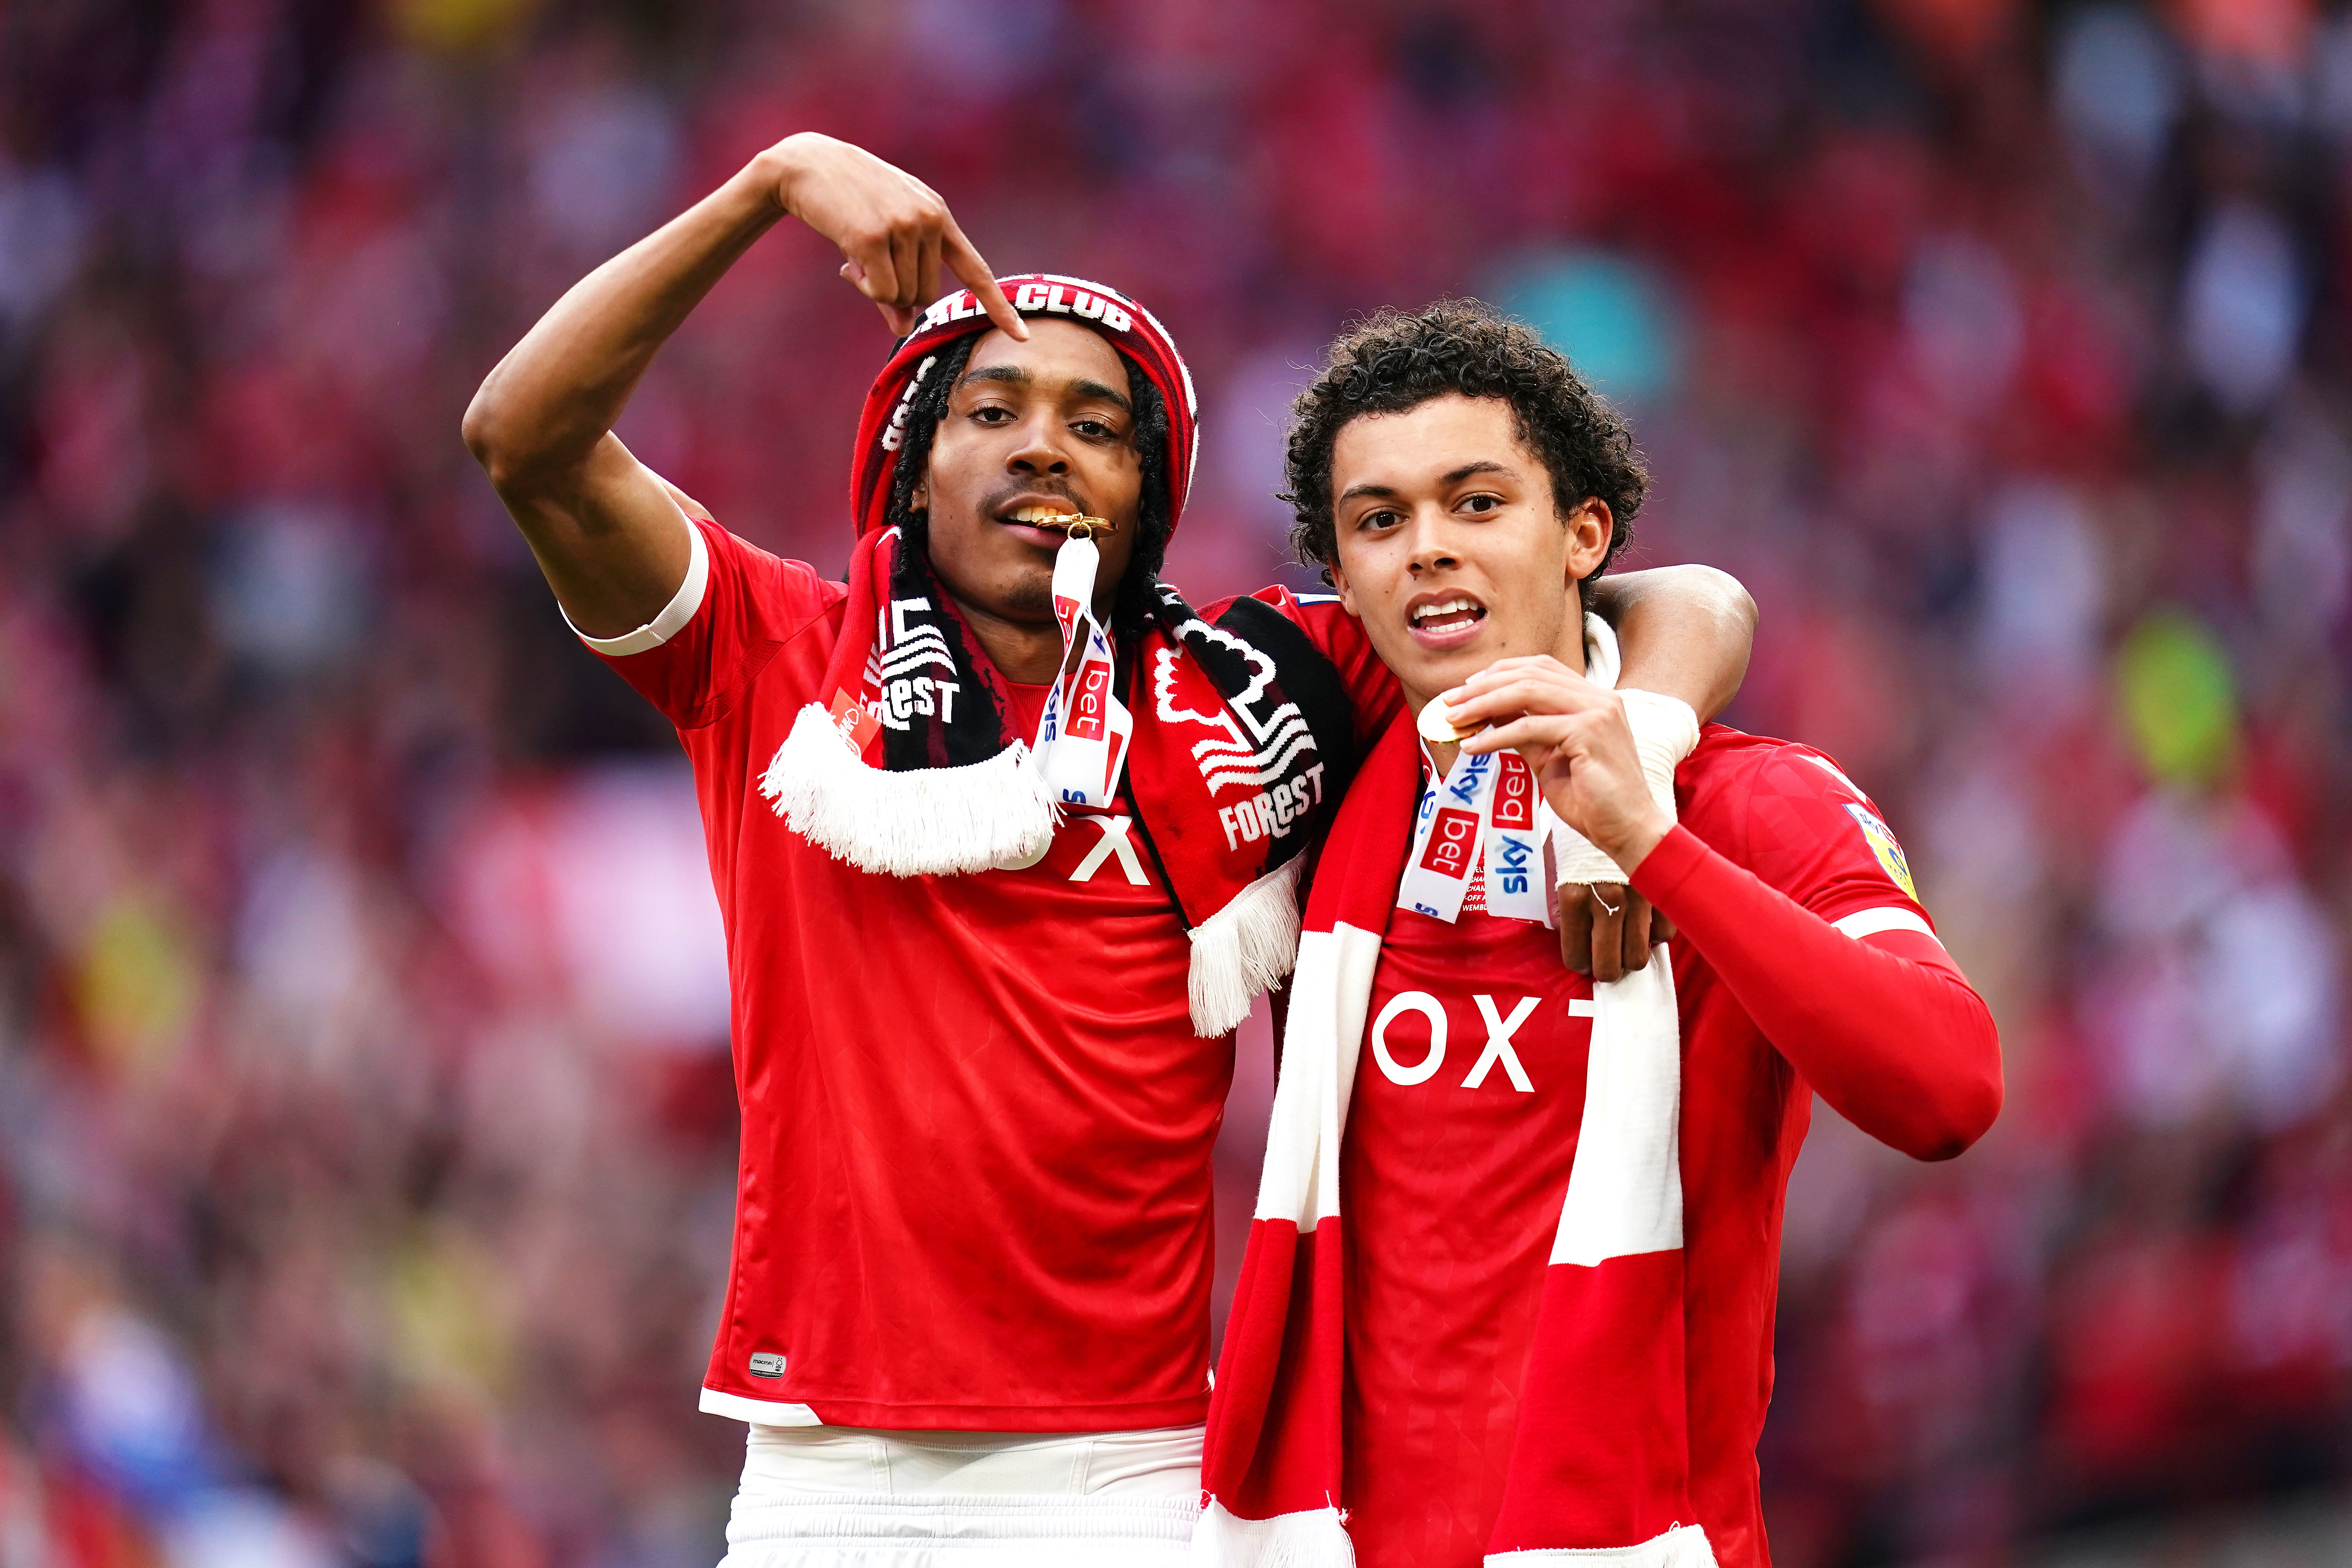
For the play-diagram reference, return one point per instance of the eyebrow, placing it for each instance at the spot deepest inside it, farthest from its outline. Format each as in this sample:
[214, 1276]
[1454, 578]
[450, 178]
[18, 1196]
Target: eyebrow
[1083, 387]
[1467, 471]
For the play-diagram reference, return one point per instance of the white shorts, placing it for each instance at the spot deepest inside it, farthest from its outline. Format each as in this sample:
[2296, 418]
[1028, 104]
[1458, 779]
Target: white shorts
[851, 1497]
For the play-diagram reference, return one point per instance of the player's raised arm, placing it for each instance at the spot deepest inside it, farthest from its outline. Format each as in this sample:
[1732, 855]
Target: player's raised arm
[604, 527]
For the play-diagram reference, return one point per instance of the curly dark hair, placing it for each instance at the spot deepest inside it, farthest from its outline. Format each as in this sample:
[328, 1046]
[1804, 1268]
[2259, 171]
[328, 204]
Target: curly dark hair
[1396, 360]
[1136, 605]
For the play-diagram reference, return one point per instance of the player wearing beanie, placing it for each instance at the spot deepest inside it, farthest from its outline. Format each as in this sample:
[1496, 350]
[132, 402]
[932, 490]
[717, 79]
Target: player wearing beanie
[1547, 1335]
[1005, 836]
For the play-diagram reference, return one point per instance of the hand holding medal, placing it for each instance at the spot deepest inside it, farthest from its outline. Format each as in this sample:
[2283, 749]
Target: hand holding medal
[1436, 725]
[1574, 735]
[1595, 775]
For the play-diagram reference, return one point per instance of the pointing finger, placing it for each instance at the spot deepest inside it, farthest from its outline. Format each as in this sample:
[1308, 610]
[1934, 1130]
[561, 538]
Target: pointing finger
[927, 273]
[907, 266]
[966, 264]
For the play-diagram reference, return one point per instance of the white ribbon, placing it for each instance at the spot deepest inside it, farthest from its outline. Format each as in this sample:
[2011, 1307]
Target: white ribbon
[1082, 737]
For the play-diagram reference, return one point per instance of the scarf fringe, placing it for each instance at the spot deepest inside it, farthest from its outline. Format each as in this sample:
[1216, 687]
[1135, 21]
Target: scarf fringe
[1245, 949]
[1312, 1539]
[930, 821]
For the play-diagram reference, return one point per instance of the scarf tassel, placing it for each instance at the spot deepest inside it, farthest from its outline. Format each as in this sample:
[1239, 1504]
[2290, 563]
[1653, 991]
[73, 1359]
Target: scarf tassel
[1245, 949]
[925, 822]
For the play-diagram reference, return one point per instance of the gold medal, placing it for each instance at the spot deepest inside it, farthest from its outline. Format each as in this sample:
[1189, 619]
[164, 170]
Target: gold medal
[1435, 726]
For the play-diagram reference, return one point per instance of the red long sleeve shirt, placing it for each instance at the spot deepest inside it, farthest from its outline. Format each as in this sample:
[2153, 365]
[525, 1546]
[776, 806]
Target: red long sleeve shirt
[1805, 964]
[975, 1189]
[1885, 1028]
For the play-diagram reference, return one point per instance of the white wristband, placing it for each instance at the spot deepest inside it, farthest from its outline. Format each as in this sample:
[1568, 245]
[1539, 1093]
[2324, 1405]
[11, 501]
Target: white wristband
[1665, 731]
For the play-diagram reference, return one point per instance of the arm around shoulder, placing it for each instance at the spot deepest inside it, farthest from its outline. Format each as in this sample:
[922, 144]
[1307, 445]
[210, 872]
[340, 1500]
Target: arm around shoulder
[1684, 631]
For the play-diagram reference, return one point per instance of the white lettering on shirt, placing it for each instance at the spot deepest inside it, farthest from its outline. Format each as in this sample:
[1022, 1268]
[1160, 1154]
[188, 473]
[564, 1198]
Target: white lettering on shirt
[1427, 1006]
[1498, 1044]
[1114, 841]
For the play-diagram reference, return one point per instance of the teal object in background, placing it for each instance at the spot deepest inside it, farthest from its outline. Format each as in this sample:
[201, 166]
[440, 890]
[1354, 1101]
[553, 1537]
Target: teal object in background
[1611, 315]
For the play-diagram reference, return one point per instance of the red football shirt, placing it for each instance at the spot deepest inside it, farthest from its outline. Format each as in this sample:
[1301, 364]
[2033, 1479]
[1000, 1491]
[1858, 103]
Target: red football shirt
[1457, 1158]
[975, 1182]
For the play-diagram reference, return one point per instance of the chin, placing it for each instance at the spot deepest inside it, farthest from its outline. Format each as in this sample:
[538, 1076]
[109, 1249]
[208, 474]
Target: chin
[1030, 593]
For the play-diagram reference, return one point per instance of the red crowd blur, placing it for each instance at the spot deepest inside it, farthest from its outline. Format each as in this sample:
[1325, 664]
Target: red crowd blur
[366, 1121]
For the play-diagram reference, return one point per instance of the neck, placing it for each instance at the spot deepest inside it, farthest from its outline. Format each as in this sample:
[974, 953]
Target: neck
[1568, 649]
[1026, 653]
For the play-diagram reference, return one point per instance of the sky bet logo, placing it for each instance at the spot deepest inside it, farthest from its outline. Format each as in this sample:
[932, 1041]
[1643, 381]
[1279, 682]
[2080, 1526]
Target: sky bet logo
[1086, 695]
[1453, 843]
[1508, 861]
[1515, 796]
[1473, 772]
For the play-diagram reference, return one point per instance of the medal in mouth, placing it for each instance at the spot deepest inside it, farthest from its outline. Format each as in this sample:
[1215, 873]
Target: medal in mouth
[1075, 525]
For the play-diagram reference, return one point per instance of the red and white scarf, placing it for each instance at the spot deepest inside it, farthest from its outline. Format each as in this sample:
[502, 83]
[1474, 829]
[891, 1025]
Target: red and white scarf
[1236, 738]
[1600, 1470]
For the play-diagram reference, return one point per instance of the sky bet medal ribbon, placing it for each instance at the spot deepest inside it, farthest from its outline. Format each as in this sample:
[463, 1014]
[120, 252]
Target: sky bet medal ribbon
[1082, 739]
[1446, 838]
[1515, 889]
[1486, 815]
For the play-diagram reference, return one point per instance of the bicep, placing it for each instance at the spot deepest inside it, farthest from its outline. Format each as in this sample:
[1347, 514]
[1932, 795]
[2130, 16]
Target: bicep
[611, 537]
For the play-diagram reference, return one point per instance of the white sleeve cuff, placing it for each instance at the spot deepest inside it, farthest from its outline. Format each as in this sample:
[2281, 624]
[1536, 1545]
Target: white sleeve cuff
[674, 615]
[1871, 922]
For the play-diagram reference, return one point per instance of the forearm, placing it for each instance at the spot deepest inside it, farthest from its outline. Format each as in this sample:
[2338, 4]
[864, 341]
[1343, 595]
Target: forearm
[1684, 631]
[1900, 1048]
[543, 411]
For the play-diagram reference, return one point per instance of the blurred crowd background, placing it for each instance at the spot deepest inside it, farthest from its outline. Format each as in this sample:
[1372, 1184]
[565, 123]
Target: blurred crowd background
[366, 1130]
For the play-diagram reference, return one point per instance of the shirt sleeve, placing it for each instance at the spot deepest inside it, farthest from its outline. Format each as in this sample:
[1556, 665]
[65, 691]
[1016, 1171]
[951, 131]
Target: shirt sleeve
[736, 607]
[1372, 692]
[1822, 940]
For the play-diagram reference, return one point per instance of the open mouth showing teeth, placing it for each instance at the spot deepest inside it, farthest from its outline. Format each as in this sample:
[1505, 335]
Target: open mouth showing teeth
[1447, 615]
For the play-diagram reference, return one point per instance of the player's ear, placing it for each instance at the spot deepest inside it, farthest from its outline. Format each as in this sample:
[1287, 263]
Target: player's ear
[1589, 526]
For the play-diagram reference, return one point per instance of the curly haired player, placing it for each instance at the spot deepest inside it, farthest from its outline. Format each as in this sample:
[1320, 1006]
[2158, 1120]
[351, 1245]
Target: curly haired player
[1005, 835]
[1547, 1335]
